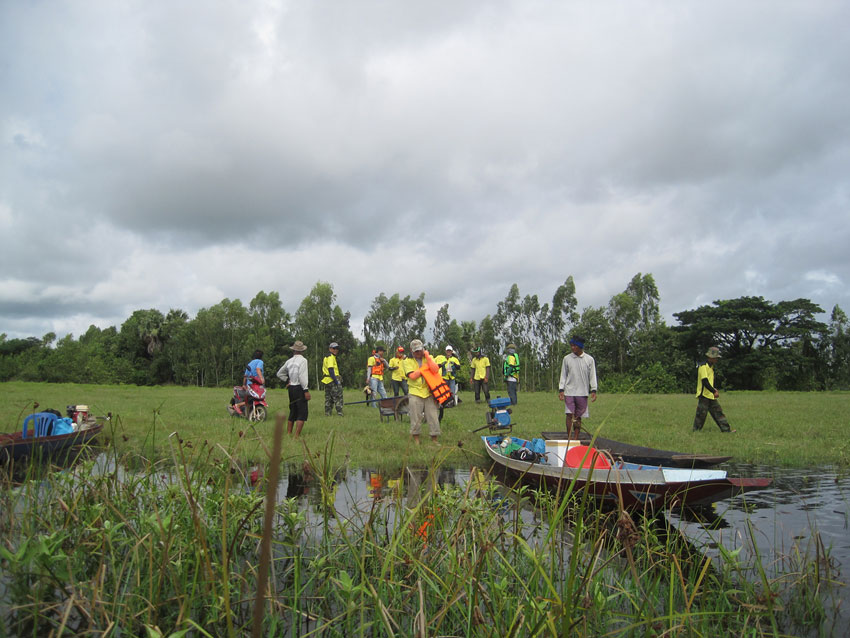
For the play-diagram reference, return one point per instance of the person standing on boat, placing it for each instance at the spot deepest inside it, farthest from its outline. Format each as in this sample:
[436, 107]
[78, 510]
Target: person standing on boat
[422, 402]
[510, 368]
[707, 394]
[578, 380]
[294, 374]
[479, 374]
[375, 367]
[398, 379]
[332, 381]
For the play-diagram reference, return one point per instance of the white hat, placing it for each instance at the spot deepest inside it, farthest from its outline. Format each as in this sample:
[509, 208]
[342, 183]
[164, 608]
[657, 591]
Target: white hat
[450, 348]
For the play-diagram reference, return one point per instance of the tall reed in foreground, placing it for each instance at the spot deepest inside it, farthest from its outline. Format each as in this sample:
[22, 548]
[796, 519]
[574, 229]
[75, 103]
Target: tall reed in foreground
[174, 548]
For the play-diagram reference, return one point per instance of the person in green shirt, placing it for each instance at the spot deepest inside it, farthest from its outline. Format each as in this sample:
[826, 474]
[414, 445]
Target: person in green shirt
[707, 394]
[510, 368]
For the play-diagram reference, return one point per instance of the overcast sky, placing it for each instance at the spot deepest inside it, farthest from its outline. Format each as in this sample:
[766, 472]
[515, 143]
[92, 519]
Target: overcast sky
[170, 154]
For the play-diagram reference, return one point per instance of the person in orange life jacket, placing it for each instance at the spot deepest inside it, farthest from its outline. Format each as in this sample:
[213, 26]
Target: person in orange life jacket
[399, 381]
[449, 366]
[422, 402]
[253, 373]
[375, 367]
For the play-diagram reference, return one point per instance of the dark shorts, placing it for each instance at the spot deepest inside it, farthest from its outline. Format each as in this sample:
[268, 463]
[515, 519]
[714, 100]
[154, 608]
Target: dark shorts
[297, 403]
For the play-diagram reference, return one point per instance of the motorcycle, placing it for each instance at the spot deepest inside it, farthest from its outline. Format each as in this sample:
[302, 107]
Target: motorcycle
[255, 408]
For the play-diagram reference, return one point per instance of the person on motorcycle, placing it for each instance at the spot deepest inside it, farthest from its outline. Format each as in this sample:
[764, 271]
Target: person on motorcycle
[253, 374]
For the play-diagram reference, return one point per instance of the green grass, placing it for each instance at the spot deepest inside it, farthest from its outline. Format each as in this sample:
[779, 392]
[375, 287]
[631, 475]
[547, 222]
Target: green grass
[780, 428]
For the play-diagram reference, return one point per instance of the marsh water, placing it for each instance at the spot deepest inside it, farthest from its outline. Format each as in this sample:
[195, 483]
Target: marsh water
[803, 516]
[801, 522]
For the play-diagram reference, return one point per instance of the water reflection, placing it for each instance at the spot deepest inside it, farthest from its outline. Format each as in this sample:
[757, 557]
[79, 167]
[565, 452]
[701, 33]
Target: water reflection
[801, 514]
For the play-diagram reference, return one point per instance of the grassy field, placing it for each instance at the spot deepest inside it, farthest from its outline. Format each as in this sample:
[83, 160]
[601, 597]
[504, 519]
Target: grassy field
[174, 549]
[778, 428]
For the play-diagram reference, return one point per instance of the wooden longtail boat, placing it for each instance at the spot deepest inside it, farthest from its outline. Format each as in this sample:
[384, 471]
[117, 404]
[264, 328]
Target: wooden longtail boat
[15, 447]
[634, 485]
[644, 455]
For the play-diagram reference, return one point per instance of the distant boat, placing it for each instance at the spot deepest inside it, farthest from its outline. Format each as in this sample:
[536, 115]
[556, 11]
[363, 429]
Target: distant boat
[634, 485]
[644, 455]
[36, 438]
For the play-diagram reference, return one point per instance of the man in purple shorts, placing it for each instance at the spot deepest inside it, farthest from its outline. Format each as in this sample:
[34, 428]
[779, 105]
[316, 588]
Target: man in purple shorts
[578, 380]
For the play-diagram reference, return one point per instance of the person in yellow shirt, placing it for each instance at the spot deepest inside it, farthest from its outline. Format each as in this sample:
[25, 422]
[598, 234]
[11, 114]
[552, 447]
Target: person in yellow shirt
[422, 402]
[707, 394]
[375, 367]
[449, 368]
[479, 375]
[398, 379]
[332, 381]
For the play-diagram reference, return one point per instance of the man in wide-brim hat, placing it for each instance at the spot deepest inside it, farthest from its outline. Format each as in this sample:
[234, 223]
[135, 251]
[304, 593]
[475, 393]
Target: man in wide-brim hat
[294, 374]
[707, 394]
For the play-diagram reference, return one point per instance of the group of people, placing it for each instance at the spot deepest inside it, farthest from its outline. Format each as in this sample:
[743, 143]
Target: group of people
[577, 385]
[450, 368]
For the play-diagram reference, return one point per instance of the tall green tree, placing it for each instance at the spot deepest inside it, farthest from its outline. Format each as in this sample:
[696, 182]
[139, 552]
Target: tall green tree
[395, 321]
[318, 322]
[755, 336]
[837, 350]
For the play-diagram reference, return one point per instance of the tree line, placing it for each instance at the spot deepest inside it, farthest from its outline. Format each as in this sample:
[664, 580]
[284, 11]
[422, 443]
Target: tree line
[765, 345]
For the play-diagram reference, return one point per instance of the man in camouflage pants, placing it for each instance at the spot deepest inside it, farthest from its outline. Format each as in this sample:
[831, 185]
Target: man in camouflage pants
[707, 395]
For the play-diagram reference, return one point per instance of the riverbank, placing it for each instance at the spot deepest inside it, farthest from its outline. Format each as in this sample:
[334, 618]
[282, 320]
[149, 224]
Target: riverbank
[789, 429]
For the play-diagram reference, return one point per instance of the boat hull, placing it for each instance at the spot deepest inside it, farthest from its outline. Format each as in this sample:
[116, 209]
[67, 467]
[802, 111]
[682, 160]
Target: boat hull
[17, 449]
[629, 485]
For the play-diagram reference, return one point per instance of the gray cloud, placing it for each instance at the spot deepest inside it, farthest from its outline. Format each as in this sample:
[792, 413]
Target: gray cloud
[153, 151]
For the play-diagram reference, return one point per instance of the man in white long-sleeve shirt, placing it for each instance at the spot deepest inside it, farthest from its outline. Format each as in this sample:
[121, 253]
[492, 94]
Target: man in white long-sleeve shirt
[294, 374]
[578, 380]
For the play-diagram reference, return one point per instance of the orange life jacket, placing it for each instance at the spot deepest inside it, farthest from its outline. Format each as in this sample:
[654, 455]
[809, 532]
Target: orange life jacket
[378, 368]
[439, 388]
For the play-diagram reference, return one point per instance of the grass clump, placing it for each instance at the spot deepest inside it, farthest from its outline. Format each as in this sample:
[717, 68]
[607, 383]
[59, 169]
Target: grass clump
[174, 548]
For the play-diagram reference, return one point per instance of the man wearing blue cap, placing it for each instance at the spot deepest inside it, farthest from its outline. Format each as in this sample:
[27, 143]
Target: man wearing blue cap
[578, 380]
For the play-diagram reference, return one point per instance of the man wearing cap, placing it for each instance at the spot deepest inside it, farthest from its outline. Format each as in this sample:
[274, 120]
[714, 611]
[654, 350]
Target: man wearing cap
[422, 402]
[332, 381]
[707, 394]
[398, 379]
[479, 374]
[375, 367]
[294, 374]
[578, 380]
[510, 368]
[449, 367]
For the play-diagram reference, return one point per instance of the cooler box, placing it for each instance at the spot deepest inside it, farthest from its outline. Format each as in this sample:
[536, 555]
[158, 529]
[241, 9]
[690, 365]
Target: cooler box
[556, 450]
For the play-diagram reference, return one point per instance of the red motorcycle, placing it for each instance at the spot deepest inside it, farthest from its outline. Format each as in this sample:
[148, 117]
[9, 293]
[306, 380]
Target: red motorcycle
[255, 408]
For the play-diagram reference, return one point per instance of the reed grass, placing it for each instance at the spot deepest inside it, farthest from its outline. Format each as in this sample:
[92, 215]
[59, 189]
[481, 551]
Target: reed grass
[172, 550]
